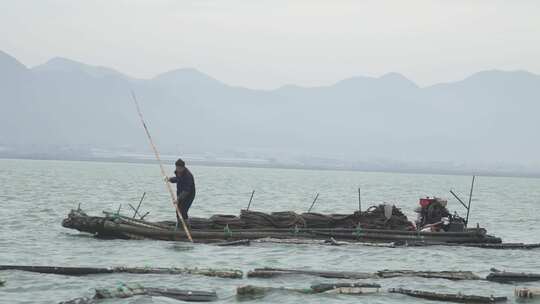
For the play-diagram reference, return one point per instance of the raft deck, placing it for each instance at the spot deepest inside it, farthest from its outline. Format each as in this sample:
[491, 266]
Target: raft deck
[118, 226]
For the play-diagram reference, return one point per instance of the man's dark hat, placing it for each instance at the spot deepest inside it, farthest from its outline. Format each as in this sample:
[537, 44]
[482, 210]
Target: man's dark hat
[180, 163]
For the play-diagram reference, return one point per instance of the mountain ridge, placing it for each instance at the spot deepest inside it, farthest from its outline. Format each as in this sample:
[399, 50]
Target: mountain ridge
[396, 76]
[488, 116]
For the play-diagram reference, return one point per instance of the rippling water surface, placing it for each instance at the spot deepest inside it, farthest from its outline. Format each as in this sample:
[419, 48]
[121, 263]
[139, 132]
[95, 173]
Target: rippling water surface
[36, 195]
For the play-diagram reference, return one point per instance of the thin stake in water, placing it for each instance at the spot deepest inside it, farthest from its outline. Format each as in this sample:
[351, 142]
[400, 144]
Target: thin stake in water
[250, 199]
[359, 200]
[470, 199]
[140, 202]
[134, 209]
[468, 207]
[312, 204]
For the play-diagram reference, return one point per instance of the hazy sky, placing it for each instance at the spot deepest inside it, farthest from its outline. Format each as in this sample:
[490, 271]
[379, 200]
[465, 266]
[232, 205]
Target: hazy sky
[265, 44]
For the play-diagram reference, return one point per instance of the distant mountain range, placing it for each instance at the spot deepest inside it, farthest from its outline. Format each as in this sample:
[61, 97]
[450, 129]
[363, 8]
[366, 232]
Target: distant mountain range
[491, 117]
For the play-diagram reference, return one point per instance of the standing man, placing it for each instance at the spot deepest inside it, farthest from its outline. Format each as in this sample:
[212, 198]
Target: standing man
[185, 188]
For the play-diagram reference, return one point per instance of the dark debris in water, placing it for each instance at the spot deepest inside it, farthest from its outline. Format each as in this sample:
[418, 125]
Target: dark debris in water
[181, 247]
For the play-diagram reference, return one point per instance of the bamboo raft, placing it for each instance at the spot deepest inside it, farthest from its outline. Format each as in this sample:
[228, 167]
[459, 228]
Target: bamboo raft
[365, 288]
[131, 290]
[448, 297]
[382, 274]
[509, 277]
[81, 271]
[285, 225]
[327, 288]
[352, 288]
[238, 274]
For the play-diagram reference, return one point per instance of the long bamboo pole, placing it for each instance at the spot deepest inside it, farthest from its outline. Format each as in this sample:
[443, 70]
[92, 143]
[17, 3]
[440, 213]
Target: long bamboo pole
[171, 192]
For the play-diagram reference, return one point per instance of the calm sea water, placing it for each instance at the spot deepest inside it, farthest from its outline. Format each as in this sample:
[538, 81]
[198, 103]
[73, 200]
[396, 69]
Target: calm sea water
[36, 195]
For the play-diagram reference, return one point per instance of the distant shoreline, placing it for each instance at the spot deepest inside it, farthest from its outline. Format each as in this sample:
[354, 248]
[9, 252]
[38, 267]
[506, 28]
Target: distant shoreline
[281, 166]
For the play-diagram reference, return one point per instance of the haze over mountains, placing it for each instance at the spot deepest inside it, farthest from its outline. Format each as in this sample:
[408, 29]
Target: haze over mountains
[488, 120]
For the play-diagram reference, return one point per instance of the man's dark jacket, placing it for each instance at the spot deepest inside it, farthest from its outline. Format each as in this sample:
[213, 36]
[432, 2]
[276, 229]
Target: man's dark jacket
[185, 190]
[185, 185]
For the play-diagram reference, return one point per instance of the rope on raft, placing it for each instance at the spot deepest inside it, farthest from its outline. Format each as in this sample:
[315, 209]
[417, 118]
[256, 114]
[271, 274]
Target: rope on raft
[373, 218]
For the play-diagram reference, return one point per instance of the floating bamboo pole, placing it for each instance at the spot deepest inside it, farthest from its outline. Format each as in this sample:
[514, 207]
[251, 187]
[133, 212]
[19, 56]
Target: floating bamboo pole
[383, 274]
[341, 288]
[449, 297]
[80, 271]
[130, 290]
[508, 277]
[273, 272]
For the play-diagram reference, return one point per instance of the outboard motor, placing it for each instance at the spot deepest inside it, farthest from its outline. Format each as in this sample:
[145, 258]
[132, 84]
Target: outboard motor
[431, 212]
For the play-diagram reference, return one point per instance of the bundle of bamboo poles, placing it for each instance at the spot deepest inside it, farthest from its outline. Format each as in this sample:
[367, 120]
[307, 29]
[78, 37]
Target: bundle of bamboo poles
[449, 297]
[130, 290]
[80, 271]
[383, 274]
[508, 277]
[365, 288]
[341, 288]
